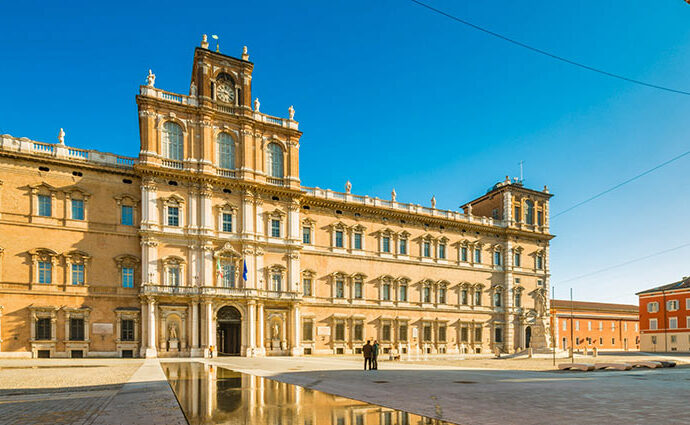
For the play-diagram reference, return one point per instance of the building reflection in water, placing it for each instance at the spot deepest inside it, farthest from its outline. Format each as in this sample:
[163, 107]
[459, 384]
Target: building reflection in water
[215, 395]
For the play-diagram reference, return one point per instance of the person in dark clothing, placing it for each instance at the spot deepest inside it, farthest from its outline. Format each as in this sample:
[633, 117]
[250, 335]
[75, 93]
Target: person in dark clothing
[366, 351]
[375, 355]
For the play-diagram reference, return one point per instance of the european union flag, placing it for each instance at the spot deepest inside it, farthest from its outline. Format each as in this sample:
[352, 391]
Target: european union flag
[244, 271]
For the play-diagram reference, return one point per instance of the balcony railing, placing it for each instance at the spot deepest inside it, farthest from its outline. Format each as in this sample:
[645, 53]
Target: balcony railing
[225, 172]
[171, 163]
[274, 181]
[217, 291]
[60, 151]
[168, 96]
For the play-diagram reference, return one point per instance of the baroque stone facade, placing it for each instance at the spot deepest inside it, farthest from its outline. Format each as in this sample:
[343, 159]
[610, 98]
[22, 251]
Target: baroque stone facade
[208, 244]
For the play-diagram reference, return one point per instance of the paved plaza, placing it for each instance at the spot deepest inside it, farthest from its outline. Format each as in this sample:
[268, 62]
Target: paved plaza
[118, 391]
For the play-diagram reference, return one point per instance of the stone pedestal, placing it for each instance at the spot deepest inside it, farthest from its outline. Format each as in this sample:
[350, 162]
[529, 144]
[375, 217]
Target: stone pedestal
[173, 345]
[151, 353]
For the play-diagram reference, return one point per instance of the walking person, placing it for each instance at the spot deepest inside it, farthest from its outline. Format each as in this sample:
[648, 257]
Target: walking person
[375, 355]
[366, 351]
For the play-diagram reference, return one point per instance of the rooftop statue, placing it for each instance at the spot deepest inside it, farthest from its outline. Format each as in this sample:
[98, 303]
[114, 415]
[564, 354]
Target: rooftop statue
[61, 136]
[257, 105]
[151, 79]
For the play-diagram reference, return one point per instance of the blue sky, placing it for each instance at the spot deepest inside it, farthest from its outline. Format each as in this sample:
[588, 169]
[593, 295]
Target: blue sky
[389, 95]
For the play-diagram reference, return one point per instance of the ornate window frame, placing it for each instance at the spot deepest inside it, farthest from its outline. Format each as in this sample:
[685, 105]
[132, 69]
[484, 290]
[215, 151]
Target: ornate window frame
[402, 236]
[335, 277]
[43, 254]
[173, 200]
[498, 294]
[76, 257]
[77, 313]
[467, 288]
[311, 275]
[281, 216]
[399, 283]
[354, 279]
[127, 313]
[338, 226]
[539, 254]
[442, 285]
[390, 234]
[271, 272]
[517, 254]
[228, 254]
[442, 241]
[164, 153]
[468, 247]
[125, 200]
[47, 190]
[358, 229]
[43, 312]
[226, 208]
[477, 291]
[430, 285]
[432, 241]
[127, 261]
[79, 194]
[269, 158]
[311, 225]
[234, 137]
[168, 263]
[497, 249]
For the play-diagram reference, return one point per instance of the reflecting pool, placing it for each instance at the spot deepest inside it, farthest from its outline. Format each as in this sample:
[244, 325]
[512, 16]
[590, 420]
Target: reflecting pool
[214, 395]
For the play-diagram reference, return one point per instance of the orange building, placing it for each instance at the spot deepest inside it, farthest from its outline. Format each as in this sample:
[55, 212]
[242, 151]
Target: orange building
[601, 325]
[665, 317]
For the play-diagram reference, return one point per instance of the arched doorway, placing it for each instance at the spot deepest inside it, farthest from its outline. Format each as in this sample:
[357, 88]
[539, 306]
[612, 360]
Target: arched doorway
[229, 331]
[528, 336]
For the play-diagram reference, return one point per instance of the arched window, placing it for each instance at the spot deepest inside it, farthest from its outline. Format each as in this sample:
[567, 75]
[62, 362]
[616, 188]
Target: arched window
[226, 151]
[275, 161]
[529, 212]
[172, 141]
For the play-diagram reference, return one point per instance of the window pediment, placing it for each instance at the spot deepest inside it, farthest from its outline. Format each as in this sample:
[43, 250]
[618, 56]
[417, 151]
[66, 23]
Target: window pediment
[125, 199]
[76, 256]
[77, 193]
[308, 273]
[226, 251]
[358, 275]
[126, 260]
[43, 253]
[359, 228]
[308, 222]
[173, 199]
[338, 225]
[173, 260]
[385, 232]
[227, 207]
[276, 213]
[43, 187]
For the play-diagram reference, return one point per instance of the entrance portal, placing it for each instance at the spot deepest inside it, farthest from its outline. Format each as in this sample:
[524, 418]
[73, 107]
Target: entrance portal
[229, 331]
[528, 336]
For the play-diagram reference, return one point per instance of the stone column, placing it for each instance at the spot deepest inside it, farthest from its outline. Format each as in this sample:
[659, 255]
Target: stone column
[508, 208]
[0, 317]
[149, 212]
[296, 342]
[151, 332]
[251, 328]
[195, 351]
[143, 338]
[259, 212]
[509, 337]
[210, 328]
[293, 271]
[206, 211]
[293, 221]
[193, 211]
[206, 269]
[149, 263]
[247, 213]
[261, 345]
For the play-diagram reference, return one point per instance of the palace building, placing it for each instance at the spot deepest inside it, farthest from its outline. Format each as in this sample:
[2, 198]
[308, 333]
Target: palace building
[665, 317]
[208, 244]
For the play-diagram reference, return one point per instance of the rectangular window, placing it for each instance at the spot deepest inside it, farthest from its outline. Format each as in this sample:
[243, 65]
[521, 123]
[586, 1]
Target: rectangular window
[358, 289]
[339, 289]
[442, 333]
[463, 254]
[77, 209]
[126, 215]
[442, 295]
[477, 297]
[307, 330]
[127, 330]
[652, 307]
[464, 334]
[173, 216]
[358, 241]
[577, 325]
[386, 332]
[277, 282]
[601, 325]
[539, 259]
[403, 248]
[128, 277]
[477, 255]
[477, 334]
[402, 332]
[517, 259]
[442, 251]
[43, 328]
[498, 335]
[427, 249]
[403, 292]
[386, 292]
[540, 218]
[497, 258]
[637, 327]
[338, 238]
[673, 323]
[464, 299]
[306, 235]
[173, 276]
[426, 294]
[687, 303]
[613, 326]
[517, 214]
[540, 282]
[45, 272]
[672, 305]
[275, 228]
[228, 279]
[386, 244]
[625, 326]
[565, 325]
[518, 299]
[652, 324]
[77, 274]
[589, 325]
[307, 287]
[340, 331]
[227, 222]
[45, 206]
[359, 332]
[426, 333]
[687, 323]
[76, 329]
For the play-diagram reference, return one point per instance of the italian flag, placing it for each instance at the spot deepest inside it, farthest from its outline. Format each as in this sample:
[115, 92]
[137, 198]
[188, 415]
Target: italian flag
[219, 269]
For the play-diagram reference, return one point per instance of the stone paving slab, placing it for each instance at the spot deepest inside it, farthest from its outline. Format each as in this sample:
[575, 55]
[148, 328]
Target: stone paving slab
[146, 399]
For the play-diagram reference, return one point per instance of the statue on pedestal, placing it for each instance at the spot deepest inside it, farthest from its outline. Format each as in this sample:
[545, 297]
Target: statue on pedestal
[433, 202]
[291, 113]
[394, 195]
[348, 187]
[257, 105]
[61, 136]
[151, 79]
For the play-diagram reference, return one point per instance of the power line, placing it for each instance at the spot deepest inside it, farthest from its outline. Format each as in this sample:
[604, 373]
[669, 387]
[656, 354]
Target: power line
[624, 263]
[611, 189]
[545, 53]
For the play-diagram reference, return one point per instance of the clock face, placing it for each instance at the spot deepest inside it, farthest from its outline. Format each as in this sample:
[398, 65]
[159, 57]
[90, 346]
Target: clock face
[225, 92]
